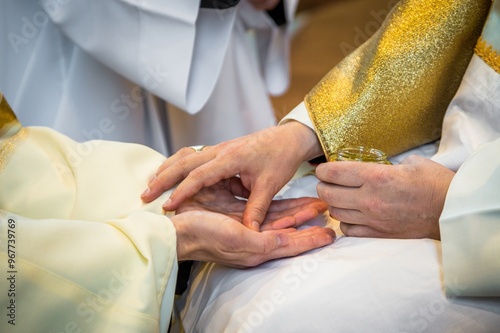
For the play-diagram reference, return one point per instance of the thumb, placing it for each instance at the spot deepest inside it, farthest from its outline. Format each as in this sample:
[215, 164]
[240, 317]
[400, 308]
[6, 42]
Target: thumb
[257, 206]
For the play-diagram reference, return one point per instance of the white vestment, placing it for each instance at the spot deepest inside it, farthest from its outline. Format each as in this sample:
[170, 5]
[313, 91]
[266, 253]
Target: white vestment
[385, 285]
[92, 69]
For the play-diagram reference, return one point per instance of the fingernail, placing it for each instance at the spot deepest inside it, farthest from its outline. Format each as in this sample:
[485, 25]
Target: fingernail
[146, 191]
[167, 204]
[255, 226]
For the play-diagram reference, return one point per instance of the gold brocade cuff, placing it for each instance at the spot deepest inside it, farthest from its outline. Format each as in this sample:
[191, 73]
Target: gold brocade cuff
[392, 92]
[489, 55]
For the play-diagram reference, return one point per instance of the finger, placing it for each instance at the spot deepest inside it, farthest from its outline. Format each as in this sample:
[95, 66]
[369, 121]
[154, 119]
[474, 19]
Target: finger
[292, 204]
[237, 188]
[297, 218]
[340, 196]
[355, 230]
[303, 241]
[282, 223]
[291, 207]
[258, 203]
[249, 243]
[173, 171]
[205, 175]
[264, 246]
[346, 173]
[351, 216]
[181, 153]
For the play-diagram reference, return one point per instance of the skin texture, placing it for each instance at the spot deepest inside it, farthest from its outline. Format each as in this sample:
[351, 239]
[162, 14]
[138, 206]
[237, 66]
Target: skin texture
[259, 159]
[209, 228]
[385, 201]
[371, 200]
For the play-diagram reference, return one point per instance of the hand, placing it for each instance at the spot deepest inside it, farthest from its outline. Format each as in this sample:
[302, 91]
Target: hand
[264, 4]
[214, 237]
[374, 200]
[222, 198]
[265, 161]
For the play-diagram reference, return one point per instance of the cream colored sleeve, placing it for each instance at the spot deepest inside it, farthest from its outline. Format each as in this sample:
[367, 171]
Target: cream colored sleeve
[470, 226]
[87, 275]
[81, 250]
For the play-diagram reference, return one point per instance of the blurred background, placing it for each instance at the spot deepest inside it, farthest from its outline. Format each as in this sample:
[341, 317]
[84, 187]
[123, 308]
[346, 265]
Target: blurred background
[326, 31]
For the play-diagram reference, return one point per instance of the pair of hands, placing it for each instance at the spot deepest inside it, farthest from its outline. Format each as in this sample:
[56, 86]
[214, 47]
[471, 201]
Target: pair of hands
[212, 225]
[265, 161]
[371, 200]
[209, 227]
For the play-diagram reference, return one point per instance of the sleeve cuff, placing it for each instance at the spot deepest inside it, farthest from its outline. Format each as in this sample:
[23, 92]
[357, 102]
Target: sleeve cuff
[300, 114]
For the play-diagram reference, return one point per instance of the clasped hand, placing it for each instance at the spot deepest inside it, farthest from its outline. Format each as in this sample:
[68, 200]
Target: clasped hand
[371, 200]
[385, 201]
[264, 161]
[209, 227]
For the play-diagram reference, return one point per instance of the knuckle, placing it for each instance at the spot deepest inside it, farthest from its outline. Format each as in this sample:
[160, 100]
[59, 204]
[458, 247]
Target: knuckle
[181, 163]
[196, 173]
[323, 192]
[185, 151]
[325, 171]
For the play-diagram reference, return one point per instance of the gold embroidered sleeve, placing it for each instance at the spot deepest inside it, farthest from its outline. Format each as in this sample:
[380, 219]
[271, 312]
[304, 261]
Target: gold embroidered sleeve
[11, 132]
[391, 93]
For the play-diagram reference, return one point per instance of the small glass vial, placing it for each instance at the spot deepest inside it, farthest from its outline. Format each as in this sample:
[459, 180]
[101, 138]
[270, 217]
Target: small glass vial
[361, 154]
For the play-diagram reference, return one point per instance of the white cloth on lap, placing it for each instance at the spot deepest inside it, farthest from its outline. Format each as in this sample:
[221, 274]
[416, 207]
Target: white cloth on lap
[353, 285]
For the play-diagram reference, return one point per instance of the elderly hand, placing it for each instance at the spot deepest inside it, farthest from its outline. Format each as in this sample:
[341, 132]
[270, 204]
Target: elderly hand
[265, 161]
[214, 237]
[209, 228]
[222, 198]
[374, 200]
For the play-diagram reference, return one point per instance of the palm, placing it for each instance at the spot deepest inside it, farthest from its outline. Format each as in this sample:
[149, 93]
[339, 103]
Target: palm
[225, 198]
[219, 198]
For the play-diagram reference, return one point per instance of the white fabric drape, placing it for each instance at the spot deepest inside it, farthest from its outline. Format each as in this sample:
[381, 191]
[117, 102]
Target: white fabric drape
[92, 69]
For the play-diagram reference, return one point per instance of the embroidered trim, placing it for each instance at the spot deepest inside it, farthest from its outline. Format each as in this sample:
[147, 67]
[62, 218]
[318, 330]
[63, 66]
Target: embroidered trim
[489, 55]
[8, 147]
[7, 117]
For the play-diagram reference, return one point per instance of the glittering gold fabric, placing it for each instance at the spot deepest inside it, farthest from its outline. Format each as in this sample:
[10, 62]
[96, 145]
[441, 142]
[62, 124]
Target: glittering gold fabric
[489, 55]
[11, 132]
[391, 93]
[7, 117]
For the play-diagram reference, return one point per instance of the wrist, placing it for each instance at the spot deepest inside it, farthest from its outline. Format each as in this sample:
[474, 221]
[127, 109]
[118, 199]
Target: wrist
[304, 139]
[181, 244]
